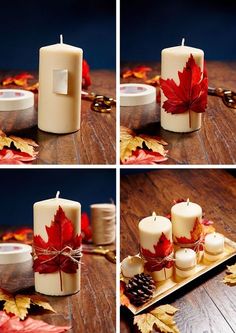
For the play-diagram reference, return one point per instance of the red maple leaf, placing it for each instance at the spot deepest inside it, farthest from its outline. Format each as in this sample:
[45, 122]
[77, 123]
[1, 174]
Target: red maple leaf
[60, 237]
[143, 156]
[195, 234]
[8, 156]
[86, 75]
[9, 324]
[191, 94]
[162, 249]
[86, 230]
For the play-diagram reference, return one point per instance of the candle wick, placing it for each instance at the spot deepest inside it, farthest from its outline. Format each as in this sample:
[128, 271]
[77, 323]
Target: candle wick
[188, 202]
[61, 39]
[183, 41]
[57, 195]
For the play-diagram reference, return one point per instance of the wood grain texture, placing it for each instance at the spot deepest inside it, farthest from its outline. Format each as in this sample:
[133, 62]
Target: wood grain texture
[91, 310]
[206, 305]
[214, 144]
[94, 143]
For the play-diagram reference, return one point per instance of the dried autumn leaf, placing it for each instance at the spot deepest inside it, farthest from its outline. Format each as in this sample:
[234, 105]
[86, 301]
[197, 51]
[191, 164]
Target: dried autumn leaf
[190, 94]
[230, 278]
[24, 235]
[10, 324]
[129, 142]
[195, 234]
[124, 300]
[18, 304]
[8, 156]
[142, 156]
[139, 72]
[154, 81]
[19, 79]
[161, 317]
[33, 88]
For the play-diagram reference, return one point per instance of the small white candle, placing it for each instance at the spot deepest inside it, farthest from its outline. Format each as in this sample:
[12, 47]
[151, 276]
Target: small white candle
[55, 284]
[151, 229]
[131, 266]
[183, 217]
[185, 262]
[173, 60]
[214, 246]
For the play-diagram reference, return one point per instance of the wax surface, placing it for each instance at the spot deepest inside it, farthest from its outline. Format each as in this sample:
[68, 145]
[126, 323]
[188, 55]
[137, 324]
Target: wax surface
[44, 212]
[131, 266]
[185, 262]
[183, 217]
[60, 94]
[173, 60]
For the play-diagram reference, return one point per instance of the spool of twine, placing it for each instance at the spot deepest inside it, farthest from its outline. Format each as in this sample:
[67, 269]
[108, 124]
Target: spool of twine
[103, 223]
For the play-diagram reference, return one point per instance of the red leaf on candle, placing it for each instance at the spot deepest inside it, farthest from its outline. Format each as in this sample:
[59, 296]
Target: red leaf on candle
[162, 249]
[143, 156]
[61, 237]
[139, 72]
[195, 234]
[190, 94]
[9, 324]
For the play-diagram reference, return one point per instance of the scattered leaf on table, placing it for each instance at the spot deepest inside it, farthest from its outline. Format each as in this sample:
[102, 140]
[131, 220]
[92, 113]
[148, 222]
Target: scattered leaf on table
[161, 317]
[230, 278]
[8, 156]
[124, 300]
[10, 324]
[33, 88]
[86, 75]
[24, 145]
[139, 72]
[190, 94]
[86, 230]
[19, 79]
[129, 142]
[143, 156]
[18, 304]
[154, 81]
[24, 235]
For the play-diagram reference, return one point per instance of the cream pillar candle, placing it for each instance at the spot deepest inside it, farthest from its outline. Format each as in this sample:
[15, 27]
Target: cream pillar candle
[131, 266]
[214, 246]
[173, 61]
[60, 84]
[185, 218]
[57, 283]
[185, 262]
[155, 234]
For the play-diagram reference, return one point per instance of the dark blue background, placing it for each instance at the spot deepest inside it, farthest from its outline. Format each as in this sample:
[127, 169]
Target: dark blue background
[20, 189]
[148, 26]
[27, 25]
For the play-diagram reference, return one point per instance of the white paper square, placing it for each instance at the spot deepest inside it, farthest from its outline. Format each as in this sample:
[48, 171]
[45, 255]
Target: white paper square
[60, 81]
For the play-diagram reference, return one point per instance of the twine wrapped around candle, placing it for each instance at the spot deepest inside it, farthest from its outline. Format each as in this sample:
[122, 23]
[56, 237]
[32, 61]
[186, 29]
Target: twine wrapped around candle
[156, 264]
[197, 246]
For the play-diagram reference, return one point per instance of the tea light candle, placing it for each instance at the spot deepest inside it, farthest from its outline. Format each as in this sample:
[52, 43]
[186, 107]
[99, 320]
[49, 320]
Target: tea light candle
[151, 229]
[214, 246]
[44, 212]
[183, 217]
[173, 60]
[131, 266]
[185, 262]
[60, 84]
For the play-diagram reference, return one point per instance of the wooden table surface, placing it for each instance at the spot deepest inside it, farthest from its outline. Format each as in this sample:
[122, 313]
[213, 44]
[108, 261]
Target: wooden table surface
[91, 310]
[94, 143]
[215, 143]
[206, 305]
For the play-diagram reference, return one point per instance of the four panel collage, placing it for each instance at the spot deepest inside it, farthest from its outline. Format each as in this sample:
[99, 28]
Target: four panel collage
[118, 153]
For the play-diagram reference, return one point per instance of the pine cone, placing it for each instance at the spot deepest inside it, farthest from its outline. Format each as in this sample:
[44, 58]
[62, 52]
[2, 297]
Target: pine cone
[140, 289]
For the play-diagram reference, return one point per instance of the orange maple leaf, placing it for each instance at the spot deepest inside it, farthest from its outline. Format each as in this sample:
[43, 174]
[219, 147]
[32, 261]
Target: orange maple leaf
[195, 234]
[139, 72]
[123, 298]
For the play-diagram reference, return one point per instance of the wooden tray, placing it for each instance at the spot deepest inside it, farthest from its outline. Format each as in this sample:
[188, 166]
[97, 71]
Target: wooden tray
[167, 287]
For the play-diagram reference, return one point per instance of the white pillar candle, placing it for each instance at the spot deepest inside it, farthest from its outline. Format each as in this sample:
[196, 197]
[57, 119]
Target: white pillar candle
[153, 231]
[185, 262]
[173, 60]
[57, 283]
[60, 84]
[214, 246]
[131, 266]
[185, 216]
